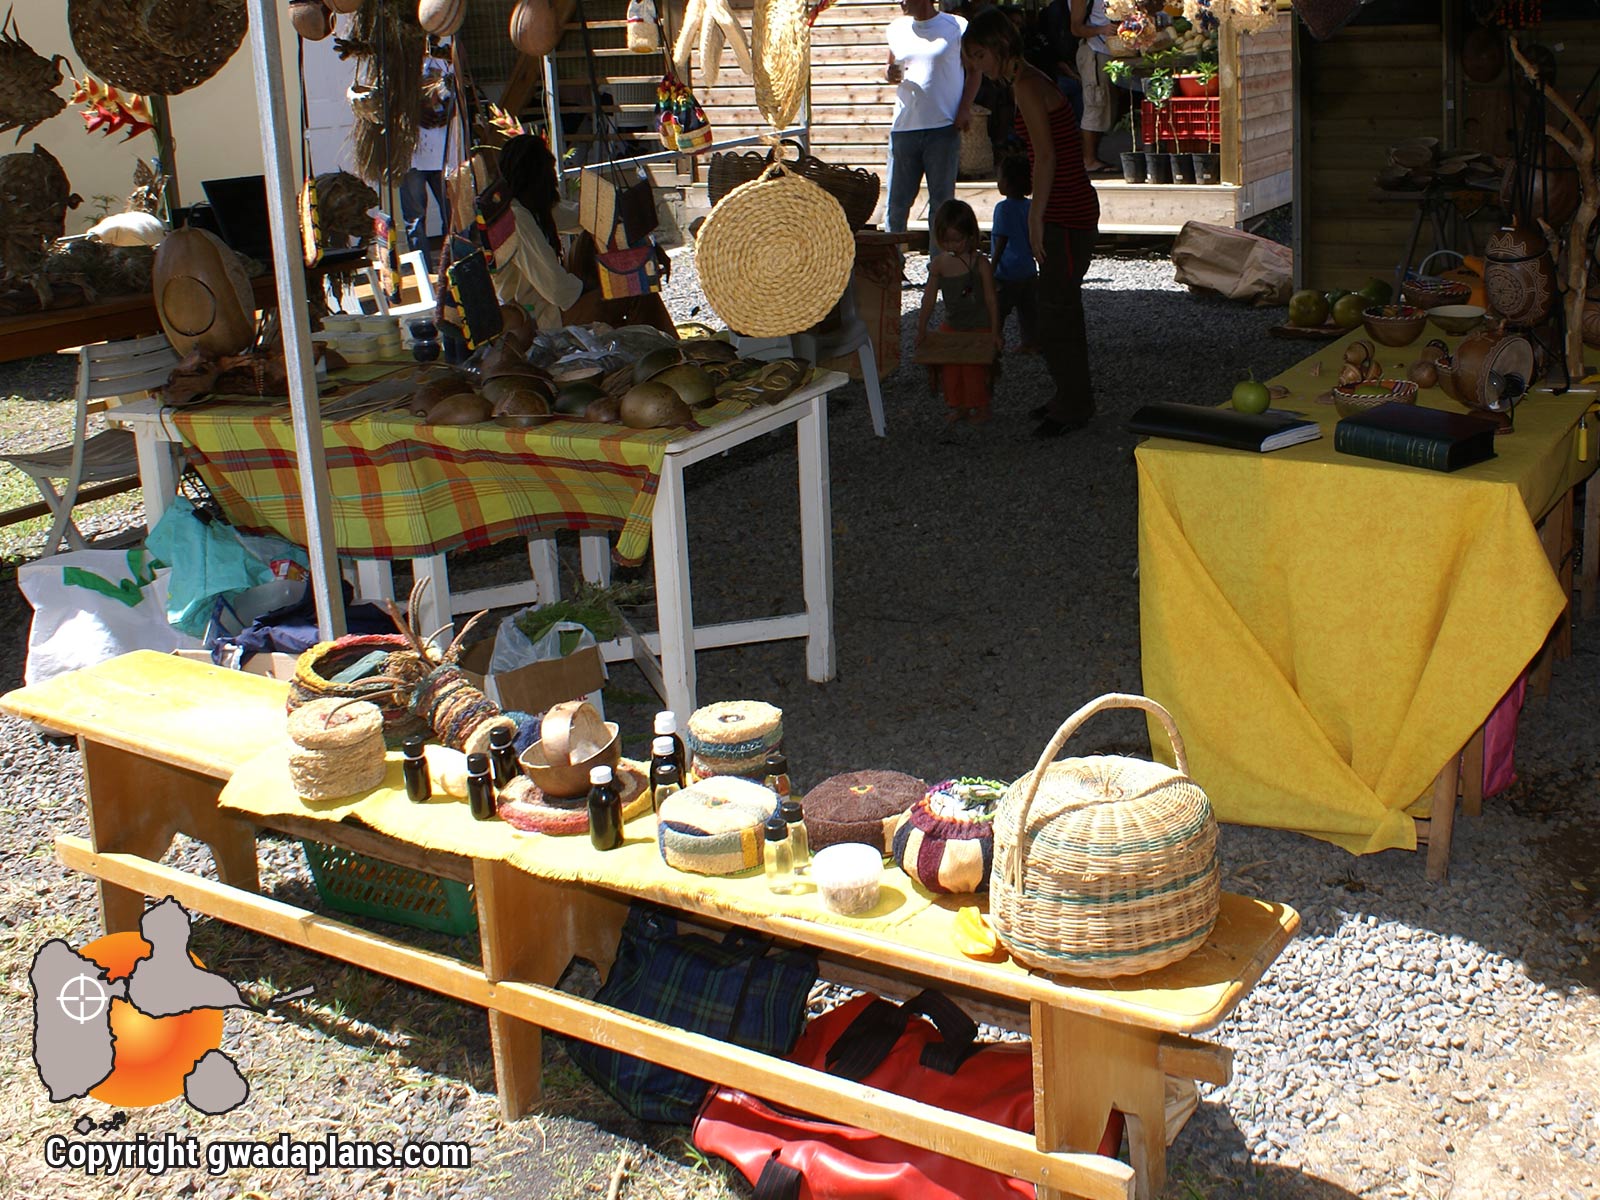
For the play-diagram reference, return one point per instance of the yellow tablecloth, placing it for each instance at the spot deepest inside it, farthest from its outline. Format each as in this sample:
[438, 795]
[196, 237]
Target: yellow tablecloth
[262, 789]
[1329, 630]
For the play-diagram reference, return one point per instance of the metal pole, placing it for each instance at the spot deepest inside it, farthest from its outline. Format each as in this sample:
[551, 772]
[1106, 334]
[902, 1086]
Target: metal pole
[266, 49]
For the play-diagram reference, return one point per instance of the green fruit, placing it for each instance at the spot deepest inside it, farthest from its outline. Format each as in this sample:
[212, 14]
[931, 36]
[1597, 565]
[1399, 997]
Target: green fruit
[1378, 291]
[1333, 296]
[1308, 308]
[1347, 310]
[1251, 397]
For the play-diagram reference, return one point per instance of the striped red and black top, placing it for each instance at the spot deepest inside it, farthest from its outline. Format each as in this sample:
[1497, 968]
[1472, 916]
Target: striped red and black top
[1073, 203]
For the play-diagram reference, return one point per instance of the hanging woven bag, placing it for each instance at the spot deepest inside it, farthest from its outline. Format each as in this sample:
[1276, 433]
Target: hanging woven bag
[1104, 866]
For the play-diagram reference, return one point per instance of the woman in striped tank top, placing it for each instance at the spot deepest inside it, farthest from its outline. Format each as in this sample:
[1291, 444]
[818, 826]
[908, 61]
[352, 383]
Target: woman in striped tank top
[1063, 220]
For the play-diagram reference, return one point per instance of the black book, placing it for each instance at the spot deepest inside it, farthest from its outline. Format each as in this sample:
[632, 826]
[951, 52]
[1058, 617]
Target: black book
[1417, 437]
[1271, 430]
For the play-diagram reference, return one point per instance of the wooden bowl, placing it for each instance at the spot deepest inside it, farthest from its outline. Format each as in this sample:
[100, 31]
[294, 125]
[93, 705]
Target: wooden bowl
[1394, 324]
[1456, 318]
[567, 780]
[1350, 401]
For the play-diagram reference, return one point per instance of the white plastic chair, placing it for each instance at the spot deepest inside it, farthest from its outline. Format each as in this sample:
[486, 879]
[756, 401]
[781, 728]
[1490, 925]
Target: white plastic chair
[851, 336]
[105, 370]
[426, 299]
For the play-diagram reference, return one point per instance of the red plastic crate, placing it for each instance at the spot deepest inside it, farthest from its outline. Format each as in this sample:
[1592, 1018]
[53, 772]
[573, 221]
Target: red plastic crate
[1195, 121]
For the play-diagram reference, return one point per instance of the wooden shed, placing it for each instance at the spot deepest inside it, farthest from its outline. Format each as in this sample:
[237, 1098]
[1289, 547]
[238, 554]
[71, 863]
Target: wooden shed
[852, 105]
[1396, 73]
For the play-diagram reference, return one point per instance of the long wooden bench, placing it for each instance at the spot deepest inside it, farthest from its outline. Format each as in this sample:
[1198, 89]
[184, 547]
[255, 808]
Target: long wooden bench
[161, 737]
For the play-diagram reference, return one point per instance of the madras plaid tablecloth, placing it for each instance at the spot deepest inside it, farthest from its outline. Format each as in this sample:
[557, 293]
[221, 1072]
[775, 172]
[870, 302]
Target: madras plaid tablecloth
[402, 489]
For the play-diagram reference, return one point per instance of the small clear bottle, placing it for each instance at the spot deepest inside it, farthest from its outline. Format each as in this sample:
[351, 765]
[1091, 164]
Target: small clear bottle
[777, 769]
[799, 840]
[667, 726]
[664, 784]
[503, 756]
[662, 755]
[419, 788]
[779, 857]
[480, 787]
[605, 810]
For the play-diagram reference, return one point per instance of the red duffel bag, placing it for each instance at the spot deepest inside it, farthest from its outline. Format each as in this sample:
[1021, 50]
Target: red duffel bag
[923, 1049]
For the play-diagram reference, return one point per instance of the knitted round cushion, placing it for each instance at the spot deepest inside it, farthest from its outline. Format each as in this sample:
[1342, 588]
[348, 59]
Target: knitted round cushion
[523, 805]
[861, 806]
[733, 737]
[714, 827]
[946, 842]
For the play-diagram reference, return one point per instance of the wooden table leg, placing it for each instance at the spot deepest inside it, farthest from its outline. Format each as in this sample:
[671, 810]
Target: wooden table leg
[136, 805]
[669, 551]
[1442, 820]
[816, 540]
[1472, 776]
[530, 930]
[1083, 1067]
[1589, 559]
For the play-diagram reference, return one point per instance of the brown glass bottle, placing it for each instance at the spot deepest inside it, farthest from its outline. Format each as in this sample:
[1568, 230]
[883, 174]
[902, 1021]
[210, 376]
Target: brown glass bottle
[480, 787]
[419, 788]
[502, 756]
[605, 810]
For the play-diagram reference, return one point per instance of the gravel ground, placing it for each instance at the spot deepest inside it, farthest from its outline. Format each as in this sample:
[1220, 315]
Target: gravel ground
[1415, 1040]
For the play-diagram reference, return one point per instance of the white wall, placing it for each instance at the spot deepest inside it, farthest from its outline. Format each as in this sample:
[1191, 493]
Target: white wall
[217, 126]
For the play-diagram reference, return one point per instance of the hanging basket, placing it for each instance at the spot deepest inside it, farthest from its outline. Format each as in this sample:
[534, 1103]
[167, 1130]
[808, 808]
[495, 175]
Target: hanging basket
[780, 38]
[1104, 866]
[855, 189]
[130, 43]
[977, 151]
[775, 256]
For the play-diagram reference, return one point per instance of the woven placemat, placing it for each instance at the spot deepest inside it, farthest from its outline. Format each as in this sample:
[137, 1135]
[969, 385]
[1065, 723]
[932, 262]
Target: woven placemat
[775, 256]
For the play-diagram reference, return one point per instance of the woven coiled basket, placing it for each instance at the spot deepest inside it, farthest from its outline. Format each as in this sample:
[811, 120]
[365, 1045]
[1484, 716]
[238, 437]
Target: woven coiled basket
[1104, 866]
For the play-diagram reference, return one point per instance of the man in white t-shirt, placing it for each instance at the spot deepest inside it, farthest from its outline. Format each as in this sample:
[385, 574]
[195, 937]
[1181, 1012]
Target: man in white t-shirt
[426, 175]
[931, 107]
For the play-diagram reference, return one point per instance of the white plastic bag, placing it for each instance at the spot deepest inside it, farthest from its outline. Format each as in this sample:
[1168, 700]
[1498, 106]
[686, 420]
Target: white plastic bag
[513, 649]
[91, 605]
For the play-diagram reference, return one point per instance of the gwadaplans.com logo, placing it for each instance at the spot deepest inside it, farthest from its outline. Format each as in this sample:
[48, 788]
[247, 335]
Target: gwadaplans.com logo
[133, 1019]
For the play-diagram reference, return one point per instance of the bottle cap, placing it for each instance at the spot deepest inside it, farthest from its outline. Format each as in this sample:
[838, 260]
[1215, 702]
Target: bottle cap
[792, 812]
[667, 722]
[413, 747]
[663, 747]
[777, 829]
[477, 764]
[777, 763]
[500, 736]
[599, 775]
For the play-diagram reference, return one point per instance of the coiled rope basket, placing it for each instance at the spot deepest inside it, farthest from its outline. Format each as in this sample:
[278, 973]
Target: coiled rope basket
[1104, 866]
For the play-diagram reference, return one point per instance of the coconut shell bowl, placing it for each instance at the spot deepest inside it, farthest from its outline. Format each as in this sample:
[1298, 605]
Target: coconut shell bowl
[1394, 324]
[1456, 319]
[1357, 398]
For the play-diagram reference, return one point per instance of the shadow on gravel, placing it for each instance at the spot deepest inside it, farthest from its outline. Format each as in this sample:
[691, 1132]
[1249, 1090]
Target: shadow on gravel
[1211, 1138]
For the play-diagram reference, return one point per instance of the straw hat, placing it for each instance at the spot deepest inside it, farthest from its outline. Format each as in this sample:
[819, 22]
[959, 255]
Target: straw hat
[782, 38]
[157, 47]
[775, 255]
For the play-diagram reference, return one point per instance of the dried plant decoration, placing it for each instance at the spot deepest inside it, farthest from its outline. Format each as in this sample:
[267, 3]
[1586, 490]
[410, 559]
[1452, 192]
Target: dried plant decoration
[390, 45]
[28, 81]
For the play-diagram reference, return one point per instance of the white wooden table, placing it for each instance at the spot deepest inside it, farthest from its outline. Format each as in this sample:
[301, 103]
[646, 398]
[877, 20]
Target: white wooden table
[666, 656]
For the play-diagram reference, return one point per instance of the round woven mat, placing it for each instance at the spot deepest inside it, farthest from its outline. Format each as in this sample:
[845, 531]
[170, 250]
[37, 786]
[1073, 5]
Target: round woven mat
[781, 39]
[775, 256]
[116, 41]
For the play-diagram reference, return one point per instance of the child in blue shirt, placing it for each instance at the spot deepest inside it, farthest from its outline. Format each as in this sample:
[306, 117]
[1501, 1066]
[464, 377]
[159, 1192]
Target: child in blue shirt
[1015, 272]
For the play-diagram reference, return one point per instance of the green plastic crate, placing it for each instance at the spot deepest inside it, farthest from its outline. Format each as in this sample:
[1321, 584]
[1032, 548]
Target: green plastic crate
[369, 887]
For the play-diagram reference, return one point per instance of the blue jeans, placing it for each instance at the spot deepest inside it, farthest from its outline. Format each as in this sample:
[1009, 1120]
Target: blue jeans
[914, 155]
[414, 189]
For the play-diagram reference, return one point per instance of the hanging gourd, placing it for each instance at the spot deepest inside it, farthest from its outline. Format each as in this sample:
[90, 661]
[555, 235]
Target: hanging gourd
[537, 25]
[644, 37]
[441, 17]
[311, 19]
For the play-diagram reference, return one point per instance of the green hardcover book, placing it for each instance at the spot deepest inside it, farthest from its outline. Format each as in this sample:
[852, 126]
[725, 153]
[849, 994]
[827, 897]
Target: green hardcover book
[1417, 437]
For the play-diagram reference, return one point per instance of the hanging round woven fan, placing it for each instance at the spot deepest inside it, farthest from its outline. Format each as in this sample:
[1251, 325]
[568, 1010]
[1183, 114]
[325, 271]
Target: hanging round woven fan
[156, 47]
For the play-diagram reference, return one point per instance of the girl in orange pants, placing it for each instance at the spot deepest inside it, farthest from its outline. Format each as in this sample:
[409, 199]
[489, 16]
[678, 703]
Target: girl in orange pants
[963, 278]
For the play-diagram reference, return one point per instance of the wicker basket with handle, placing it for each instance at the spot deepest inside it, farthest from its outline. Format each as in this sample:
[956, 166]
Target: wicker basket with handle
[856, 190]
[1105, 865]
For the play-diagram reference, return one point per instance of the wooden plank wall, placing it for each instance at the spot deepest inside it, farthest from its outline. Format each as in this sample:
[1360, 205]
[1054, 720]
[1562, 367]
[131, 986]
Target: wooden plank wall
[851, 103]
[1362, 91]
[1266, 102]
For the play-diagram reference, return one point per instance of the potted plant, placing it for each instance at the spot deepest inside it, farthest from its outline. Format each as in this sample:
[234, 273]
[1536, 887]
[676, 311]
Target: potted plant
[1160, 166]
[1207, 164]
[1119, 72]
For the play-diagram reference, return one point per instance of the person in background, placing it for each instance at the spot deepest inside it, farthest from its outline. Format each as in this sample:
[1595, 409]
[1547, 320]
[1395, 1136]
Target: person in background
[426, 175]
[1063, 218]
[932, 105]
[962, 277]
[1090, 23]
[1056, 52]
[1015, 272]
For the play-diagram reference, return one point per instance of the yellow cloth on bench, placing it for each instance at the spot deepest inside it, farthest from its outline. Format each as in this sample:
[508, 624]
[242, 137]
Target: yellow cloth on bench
[261, 788]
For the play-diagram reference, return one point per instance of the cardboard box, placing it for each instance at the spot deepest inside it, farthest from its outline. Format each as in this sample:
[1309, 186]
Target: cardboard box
[537, 686]
[273, 665]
